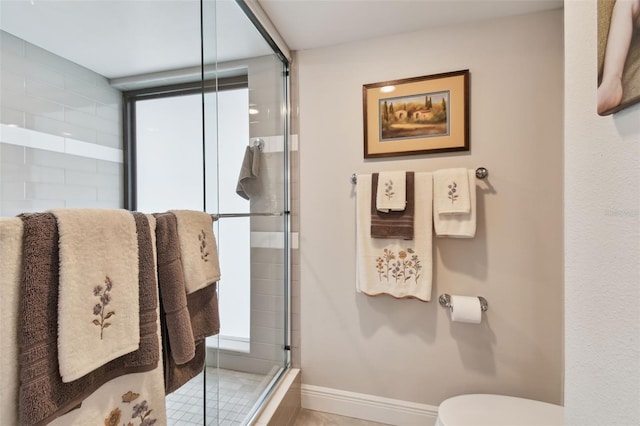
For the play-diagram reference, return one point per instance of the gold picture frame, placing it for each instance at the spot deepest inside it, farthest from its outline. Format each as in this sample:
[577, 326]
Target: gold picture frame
[418, 115]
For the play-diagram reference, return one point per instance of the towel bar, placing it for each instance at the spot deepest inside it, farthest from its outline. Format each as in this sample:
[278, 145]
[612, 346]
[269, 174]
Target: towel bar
[445, 300]
[481, 173]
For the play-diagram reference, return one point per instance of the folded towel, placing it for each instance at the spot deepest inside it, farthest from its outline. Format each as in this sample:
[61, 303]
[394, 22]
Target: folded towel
[198, 249]
[98, 302]
[43, 395]
[392, 191]
[458, 225]
[205, 322]
[10, 277]
[451, 191]
[249, 178]
[400, 268]
[173, 294]
[394, 224]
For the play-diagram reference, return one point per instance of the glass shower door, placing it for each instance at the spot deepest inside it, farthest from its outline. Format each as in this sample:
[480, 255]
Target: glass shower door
[252, 349]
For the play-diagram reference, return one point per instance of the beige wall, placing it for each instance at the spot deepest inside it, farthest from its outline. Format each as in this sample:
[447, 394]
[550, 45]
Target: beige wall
[602, 233]
[406, 349]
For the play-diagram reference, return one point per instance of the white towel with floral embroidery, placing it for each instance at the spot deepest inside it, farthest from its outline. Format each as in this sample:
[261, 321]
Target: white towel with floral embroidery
[400, 268]
[451, 192]
[392, 191]
[458, 225]
[98, 297]
[198, 249]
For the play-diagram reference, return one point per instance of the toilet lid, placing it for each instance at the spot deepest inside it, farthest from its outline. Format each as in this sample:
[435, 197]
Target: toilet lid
[497, 410]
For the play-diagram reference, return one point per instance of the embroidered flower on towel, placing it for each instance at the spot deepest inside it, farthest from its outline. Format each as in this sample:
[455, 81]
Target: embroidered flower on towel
[130, 396]
[402, 268]
[140, 411]
[452, 192]
[388, 189]
[203, 246]
[99, 308]
[113, 419]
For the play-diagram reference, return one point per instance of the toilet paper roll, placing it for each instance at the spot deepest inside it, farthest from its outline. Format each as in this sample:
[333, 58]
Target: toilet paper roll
[466, 309]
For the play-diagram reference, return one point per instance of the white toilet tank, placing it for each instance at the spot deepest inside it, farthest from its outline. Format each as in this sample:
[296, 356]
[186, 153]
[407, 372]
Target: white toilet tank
[497, 410]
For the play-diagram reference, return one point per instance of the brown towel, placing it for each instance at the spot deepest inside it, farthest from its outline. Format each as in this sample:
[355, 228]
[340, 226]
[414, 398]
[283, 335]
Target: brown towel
[177, 375]
[203, 311]
[394, 224]
[43, 395]
[186, 319]
[173, 295]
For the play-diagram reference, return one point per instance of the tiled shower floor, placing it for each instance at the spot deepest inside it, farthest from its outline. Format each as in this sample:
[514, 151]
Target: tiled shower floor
[235, 392]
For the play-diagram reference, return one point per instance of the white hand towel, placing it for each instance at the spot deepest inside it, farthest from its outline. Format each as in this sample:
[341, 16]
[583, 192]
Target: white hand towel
[198, 249]
[392, 191]
[400, 268]
[98, 309]
[458, 225]
[451, 191]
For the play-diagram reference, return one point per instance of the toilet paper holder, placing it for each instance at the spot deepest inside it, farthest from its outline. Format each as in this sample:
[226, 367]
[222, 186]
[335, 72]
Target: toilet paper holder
[445, 300]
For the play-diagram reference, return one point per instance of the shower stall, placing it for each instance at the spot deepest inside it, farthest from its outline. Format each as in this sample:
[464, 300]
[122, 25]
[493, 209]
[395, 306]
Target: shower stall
[161, 105]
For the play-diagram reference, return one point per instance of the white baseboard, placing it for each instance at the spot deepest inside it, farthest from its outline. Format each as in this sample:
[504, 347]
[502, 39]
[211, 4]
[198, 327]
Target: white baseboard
[368, 407]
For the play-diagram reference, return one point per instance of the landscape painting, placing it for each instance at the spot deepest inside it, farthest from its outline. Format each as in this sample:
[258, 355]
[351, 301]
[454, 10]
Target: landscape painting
[416, 115]
[423, 115]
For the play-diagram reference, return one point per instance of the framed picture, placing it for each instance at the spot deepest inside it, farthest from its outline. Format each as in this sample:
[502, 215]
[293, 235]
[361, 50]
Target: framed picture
[419, 115]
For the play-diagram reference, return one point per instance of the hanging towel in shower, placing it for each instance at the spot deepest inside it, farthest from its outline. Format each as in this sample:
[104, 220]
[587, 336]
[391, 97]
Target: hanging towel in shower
[249, 183]
[400, 268]
[98, 298]
[393, 224]
[458, 225]
[10, 277]
[43, 394]
[198, 249]
[451, 191]
[391, 194]
[173, 294]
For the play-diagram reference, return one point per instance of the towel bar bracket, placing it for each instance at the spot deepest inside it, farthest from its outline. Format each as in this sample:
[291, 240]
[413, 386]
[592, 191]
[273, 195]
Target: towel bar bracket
[482, 172]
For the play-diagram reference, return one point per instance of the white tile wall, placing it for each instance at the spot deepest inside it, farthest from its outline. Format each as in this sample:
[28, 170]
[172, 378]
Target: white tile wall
[60, 132]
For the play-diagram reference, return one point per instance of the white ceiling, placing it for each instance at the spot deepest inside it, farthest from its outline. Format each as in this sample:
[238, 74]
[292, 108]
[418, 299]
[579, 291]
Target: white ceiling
[306, 24]
[119, 38]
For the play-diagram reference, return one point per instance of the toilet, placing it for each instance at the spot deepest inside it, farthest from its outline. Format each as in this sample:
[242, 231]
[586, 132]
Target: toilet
[497, 410]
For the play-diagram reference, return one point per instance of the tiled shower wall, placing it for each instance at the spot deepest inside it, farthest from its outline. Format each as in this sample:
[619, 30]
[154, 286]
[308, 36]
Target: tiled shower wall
[267, 258]
[60, 133]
